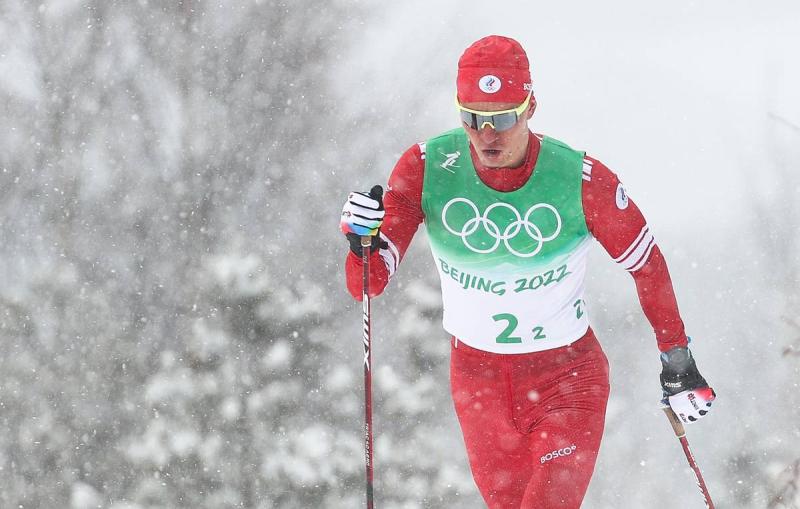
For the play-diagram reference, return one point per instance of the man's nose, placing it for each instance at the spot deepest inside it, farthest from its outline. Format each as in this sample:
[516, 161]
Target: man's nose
[487, 133]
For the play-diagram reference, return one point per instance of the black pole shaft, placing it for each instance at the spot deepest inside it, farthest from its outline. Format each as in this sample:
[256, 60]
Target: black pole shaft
[366, 242]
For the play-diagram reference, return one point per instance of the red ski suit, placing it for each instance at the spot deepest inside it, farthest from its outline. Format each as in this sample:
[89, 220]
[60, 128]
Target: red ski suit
[532, 423]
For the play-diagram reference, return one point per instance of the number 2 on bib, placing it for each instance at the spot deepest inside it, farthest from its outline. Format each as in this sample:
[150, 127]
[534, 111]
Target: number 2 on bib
[505, 336]
[511, 325]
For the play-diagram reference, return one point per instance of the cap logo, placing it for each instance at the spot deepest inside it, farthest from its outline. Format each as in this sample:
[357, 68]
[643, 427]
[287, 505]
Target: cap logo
[489, 84]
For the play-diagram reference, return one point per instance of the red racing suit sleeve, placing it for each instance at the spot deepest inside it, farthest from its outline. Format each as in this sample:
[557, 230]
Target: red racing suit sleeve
[619, 226]
[403, 204]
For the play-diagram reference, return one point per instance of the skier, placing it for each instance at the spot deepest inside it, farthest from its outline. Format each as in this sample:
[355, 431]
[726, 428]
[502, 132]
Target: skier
[510, 215]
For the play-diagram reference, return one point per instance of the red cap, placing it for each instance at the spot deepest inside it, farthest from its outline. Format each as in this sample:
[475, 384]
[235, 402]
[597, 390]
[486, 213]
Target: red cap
[494, 69]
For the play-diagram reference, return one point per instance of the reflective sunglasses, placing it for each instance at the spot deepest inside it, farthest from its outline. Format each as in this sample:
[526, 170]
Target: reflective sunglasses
[498, 120]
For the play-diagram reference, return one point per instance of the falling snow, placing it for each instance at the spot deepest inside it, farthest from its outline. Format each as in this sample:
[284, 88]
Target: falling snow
[175, 325]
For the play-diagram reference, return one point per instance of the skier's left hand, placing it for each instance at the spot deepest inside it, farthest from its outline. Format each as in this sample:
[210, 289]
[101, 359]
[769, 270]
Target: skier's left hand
[685, 390]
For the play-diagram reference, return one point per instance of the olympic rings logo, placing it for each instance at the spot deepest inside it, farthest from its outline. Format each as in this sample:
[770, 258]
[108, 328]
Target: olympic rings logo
[508, 233]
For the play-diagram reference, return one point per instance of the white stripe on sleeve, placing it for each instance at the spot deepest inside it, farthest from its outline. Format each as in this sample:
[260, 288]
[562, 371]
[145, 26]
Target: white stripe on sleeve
[645, 257]
[390, 255]
[587, 169]
[633, 258]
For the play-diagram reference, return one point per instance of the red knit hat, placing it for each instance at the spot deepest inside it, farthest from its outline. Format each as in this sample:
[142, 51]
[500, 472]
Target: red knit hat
[494, 69]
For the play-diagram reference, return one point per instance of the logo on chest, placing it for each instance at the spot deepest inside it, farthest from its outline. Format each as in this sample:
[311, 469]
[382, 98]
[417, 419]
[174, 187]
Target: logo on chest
[450, 161]
[524, 236]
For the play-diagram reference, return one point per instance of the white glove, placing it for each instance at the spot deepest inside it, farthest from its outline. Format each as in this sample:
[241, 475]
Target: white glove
[692, 405]
[363, 213]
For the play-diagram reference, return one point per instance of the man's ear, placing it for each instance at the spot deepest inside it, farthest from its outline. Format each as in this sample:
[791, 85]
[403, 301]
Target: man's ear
[532, 107]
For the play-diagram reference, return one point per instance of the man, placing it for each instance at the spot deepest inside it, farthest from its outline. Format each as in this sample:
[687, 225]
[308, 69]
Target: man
[510, 216]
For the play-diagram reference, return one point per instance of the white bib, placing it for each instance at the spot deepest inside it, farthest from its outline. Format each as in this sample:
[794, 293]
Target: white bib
[516, 312]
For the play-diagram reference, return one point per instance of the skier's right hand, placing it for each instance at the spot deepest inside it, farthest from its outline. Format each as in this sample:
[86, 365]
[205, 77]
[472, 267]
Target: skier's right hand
[362, 216]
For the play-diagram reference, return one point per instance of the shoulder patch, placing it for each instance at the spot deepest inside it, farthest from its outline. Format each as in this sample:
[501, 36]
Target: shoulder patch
[622, 197]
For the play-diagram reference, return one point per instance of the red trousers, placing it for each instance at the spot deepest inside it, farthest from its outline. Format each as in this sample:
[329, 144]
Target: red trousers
[532, 423]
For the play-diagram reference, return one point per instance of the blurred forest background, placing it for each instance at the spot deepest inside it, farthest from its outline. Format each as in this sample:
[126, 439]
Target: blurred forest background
[174, 327]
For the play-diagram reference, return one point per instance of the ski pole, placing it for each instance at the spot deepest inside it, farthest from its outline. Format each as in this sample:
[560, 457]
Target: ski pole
[680, 432]
[366, 243]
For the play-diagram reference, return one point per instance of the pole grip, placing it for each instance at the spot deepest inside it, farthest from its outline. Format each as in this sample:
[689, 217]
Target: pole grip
[677, 425]
[366, 241]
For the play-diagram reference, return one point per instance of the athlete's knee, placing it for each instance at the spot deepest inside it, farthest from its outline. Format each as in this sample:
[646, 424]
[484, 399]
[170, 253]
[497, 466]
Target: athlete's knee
[556, 486]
